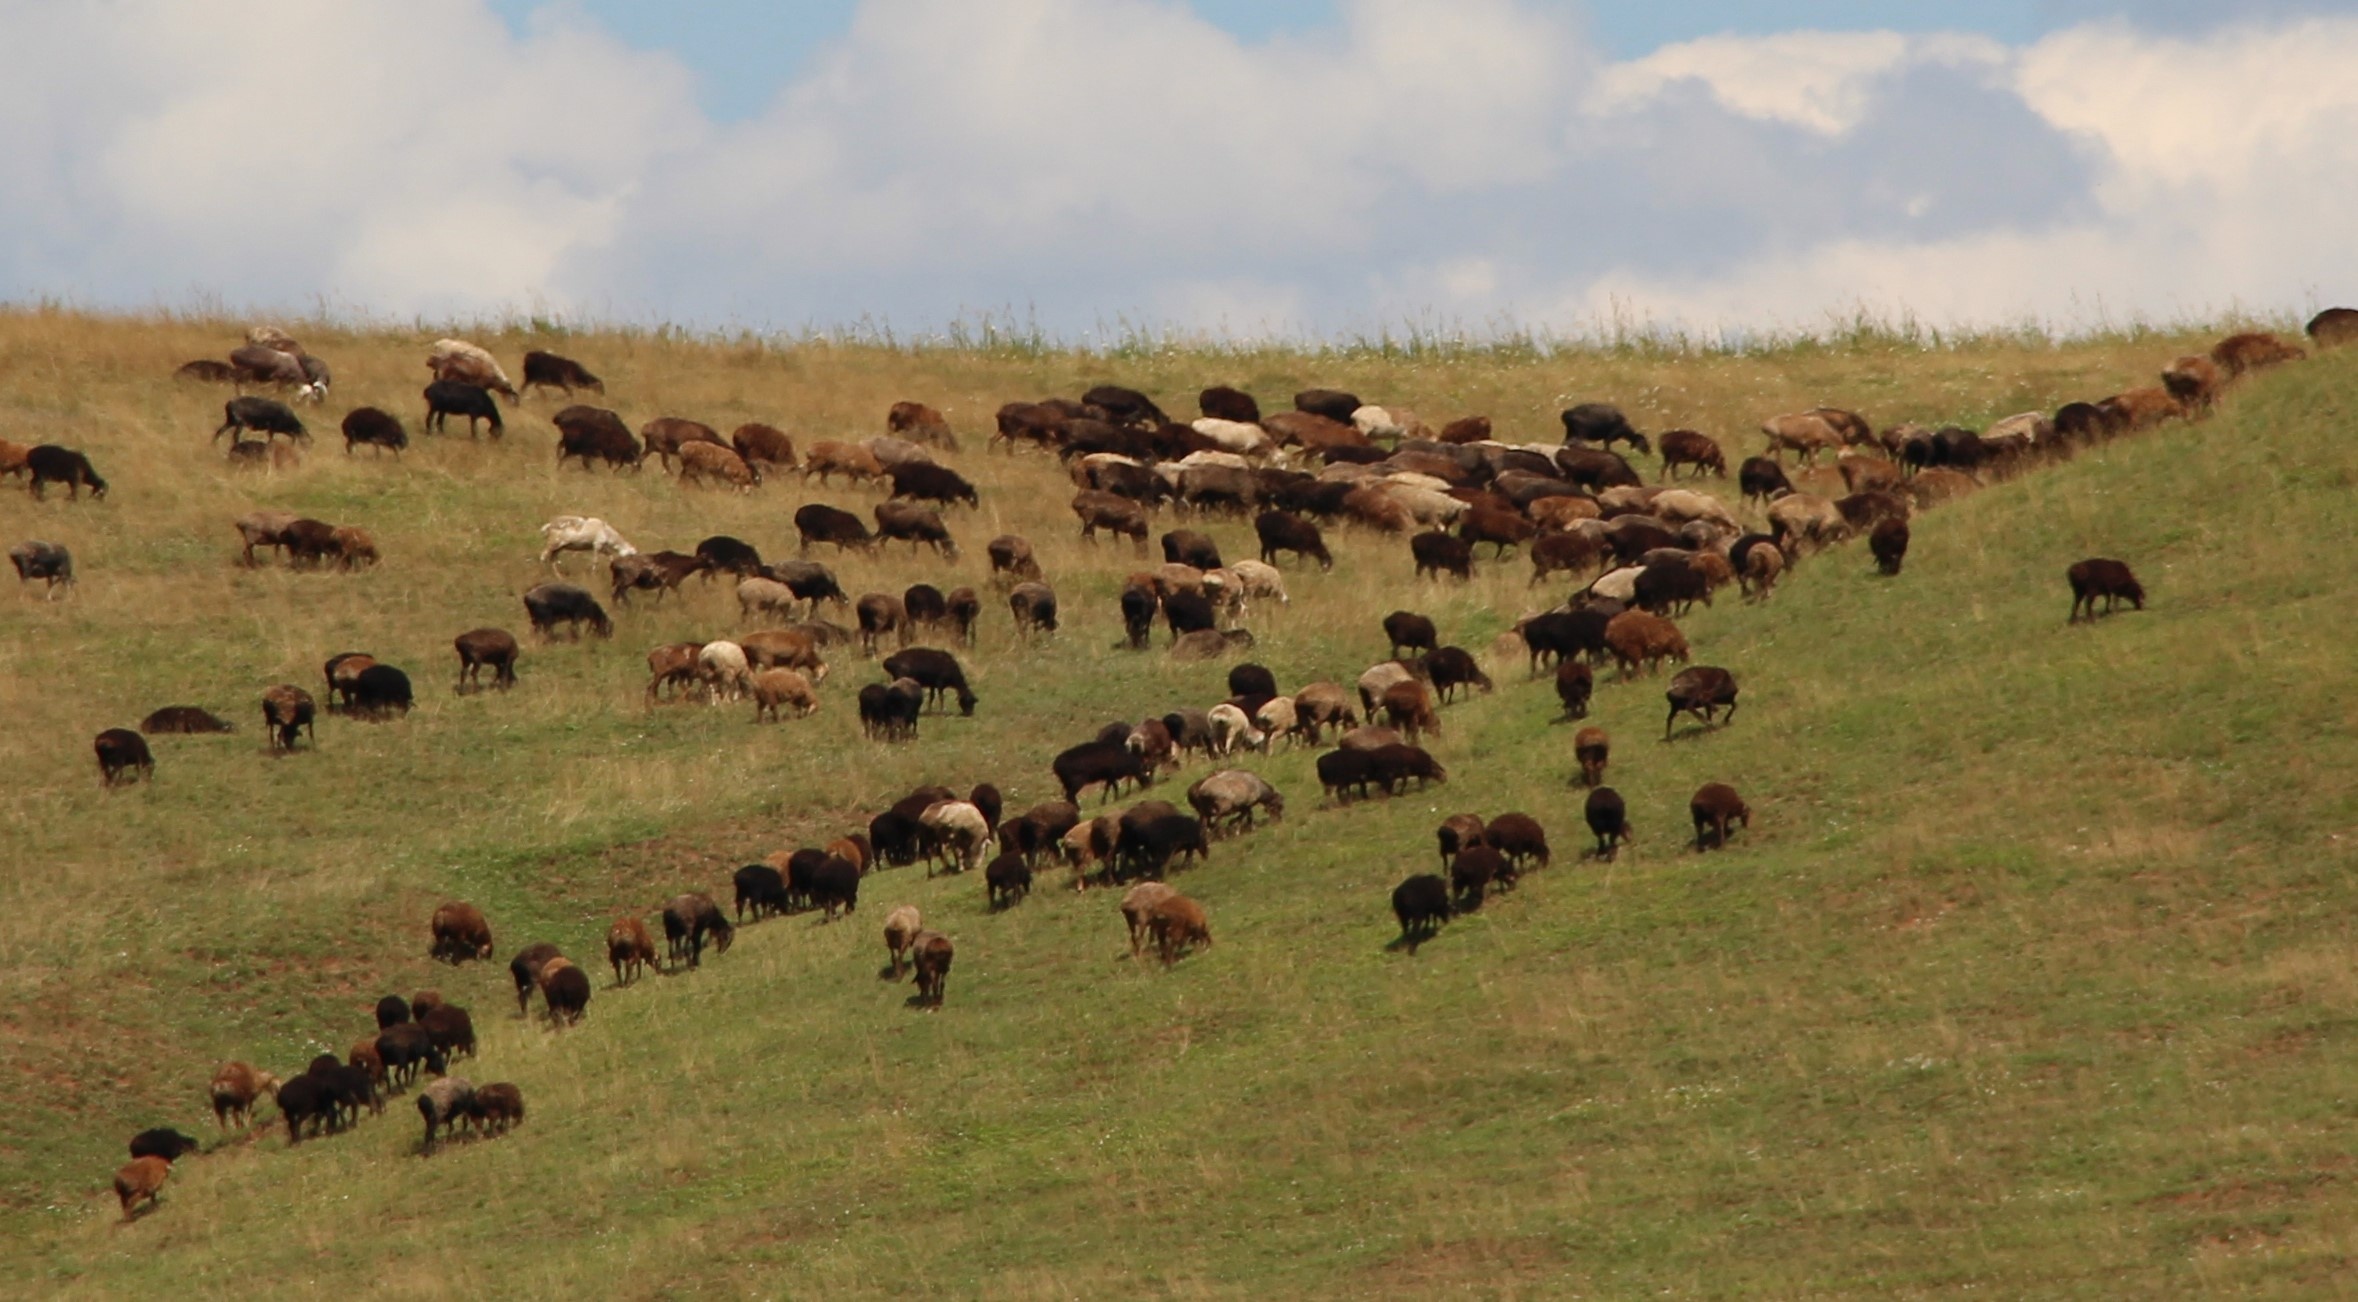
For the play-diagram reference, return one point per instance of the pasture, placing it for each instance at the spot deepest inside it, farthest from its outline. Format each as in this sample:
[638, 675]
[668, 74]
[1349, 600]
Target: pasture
[2029, 975]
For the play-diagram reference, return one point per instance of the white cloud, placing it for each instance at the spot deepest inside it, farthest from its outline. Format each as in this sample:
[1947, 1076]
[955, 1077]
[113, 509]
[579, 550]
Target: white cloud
[1110, 160]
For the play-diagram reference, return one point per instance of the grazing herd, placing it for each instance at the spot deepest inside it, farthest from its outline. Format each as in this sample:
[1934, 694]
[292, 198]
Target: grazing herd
[1643, 555]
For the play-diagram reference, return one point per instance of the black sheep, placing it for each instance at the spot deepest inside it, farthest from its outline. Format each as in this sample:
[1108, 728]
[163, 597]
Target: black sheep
[1608, 817]
[760, 887]
[448, 398]
[266, 416]
[1421, 903]
[935, 671]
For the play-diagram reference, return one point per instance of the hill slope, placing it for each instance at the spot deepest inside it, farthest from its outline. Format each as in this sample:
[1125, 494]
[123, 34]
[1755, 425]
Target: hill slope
[2031, 973]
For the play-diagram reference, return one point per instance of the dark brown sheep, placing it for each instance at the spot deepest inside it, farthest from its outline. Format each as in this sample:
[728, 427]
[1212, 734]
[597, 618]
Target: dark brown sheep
[525, 970]
[933, 953]
[1408, 706]
[1608, 817]
[184, 719]
[1520, 839]
[1114, 514]
[544, 370]
[1686, 447]
[1575, 682]
[2109, 579]
[1889, 543]
[1593, 747]
[758, 445]
[479, 648]
[664, 436]
[141, 1180]
[287, 712]
[1457, 832]
[629, 947]
[1636, 638]
[1715, 806]
[1702, 691]
[1438, 553]
[1012, 560]
[122, 757]
[460, 932]
[496, 1107]
[1177, 923]
[2242, 354]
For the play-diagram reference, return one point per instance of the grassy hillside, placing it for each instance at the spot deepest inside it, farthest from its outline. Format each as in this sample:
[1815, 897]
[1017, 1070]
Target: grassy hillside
[2031, 974]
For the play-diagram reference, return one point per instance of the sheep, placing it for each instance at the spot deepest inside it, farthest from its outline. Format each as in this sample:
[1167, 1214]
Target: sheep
[564, 991]
[456, 359]
[525, 969]
[1686, 447]
[444, 1103]
[828, 458]
[392, 1010]
[1608, 817]
[141, 1180]
[595, 433]
[1457, 832]
[1177, 923]
[575, 533]
[287, 712]
[1007, 879]
[265, 416]
[460, 932]
[1422, 904]
[922, 423]
[1378, 679]
[901, 928]
[2099, 577]
[629, 948]
[1453, 667]
[1391, 765]
[407, 1047]
[722, 671]
[1277, 717]
[165, 1143]
[234, 1088]
[959, 832]
[1575, 683]
[687, 919]
[1762, 565]
[1593, 748]
[775, 687]
[547, 605]
[1472, 870]
[1232, 730]
[1714, 807]
[543, 370]
[50, 464]
[122, 754]
[1407, 631]
[481, 647]
[1232, 796]
[2242, 354]
[1807, 433]
[1033, 605]
[1321, 705]
[448, 398]
[672, 665]
[496, 1107]
[1702, 691]
[1520, 840]
[1889, 544]
[1258, 579]
[933, 952]
[184, 719]
[707, 462]
[1636, 638]
[1408, 706]
[2333, 327]
[1138, 905]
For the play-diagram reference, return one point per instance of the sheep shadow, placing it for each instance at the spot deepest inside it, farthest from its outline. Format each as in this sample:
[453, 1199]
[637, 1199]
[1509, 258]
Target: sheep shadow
[919, 1003]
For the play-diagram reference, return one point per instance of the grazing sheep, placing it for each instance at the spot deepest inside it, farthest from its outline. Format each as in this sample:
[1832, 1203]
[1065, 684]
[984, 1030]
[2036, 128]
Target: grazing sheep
[547, 605]
[2098, 577]
[762, 887]
[1034, 606]
[1762, 566]
[704, 463]
[1686, 447]
[901, 929]
[233, 1090]
[456, 359]
[1715, 806]
[1138, 905]
[1393, 764]
[378, 691]
[575, 533]
[544, 370]
[405, 1048]
[1007, 879]
[184, 719]
[722, 671]
[958, 831]
[1278, 717]
[1231, 796]
[1439, 553]
[50, 464]
[1178, 923]
[564, 991]
[1574, 685]
[264, 529]
[265, 416]
[122, 754]
[1805, 517]
[1408, 706]
[1889, 544]
[1453, 667]
[1593, 747]
[1520, 840]
[828, 458]
[392, 1010]
[1232, 730]
[1608, 817]
[1701, 691]
[448, 398]
[525, 969]
[674, 665]
[1457, 832]
[2333, 326]
[1471, 872]
[1636, 638]
[922, 423]
[595, 433]
[479, 648]
[775, 687]
[165, 1143]
[375, 427]
[1763, 479]
[629, 948]
[666, 437]
[933, 953]
[141, 1180]
[1807, 433]
[460, 932]
[1421, 903]
[444, 1103]
[1322, 705]
[496, 1107]
[1407, 631]
[287, 712]
[687, 919]
[2241, 354]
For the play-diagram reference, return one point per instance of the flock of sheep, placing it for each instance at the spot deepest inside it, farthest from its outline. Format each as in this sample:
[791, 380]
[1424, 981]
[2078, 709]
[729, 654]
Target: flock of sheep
[1646, 553]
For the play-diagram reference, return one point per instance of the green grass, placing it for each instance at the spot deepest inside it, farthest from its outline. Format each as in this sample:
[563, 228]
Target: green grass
[2030, 976]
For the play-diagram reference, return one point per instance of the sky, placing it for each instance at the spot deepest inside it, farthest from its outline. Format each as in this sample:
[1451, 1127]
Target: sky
[1288, 168]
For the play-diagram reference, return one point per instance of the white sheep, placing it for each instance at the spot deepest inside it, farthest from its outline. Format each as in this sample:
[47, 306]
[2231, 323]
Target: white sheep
[1231, 730]
[1243, 438]
[469, 361]
[1258, 579]
[1683, 505]
[959, 829]
[1425, 497]
[1378, 679]
[581, 533]
[1278, 717]
[721, 667]
[1620, 584]
[1376, 423]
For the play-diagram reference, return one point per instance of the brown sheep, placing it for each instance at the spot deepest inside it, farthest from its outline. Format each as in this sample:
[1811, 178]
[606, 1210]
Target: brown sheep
[1702, 691]
[353, 547]
[1319, 706]
[234, 1088]
[629, 947]
[1138, 905]
[901, 929]
[1555, 514]
[1408, 706]
[2195, 381]
[2098, 577]
[785, 648]
[2241, 354]
[2333, 327]
[264, 529]
[707, 462]
[1805, 517]
[933, 952]
[1012, 560]
[495, 647]
[287, 711]
[828, 458]
[1593, 747]
[496, 1107]
[775, 687]
[1114, 514]
[1458, 832]
[564, 990]
[1889, 544]
[1378, 510]
[1636, 638]
[1715, 806]
[674, 664]
[460, 932]
[1807, 433]
[1177, 923]
[664, 436]
[2141, 409]
[1861, 472]
[364, 1055]
[1941, 484]
[922, 424]
[141, 1180]
[758, 444]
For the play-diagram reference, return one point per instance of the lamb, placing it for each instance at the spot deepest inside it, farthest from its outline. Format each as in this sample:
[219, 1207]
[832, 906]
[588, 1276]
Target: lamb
[688, 919]
[1608, 817]
[479, 648]
[1715, 806]
[702, 463]
[1007, 879]
[673, 665]
[444, 1103]
[1593, 747]
[723, 672]
[234, 1088]
[1177, 923]
[575, 533]
[775, 687]
[629, 948]
[1471, 872]
[141, 1180]
[496, 1107]
[460, 932]
[48, 562]
[1421, 903]
[1636, 638]
[2099, 577]
[933, 952]
[901, 928]
[287, 712]
[1701, 691]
